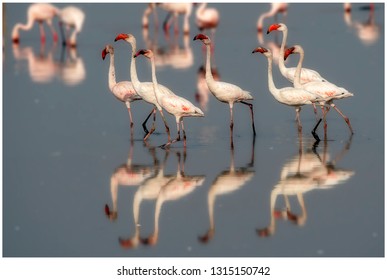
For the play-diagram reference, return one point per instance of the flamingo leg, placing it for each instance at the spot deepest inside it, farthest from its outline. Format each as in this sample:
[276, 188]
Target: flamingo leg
[344, 117]
[298, 109]
[127, 103]
[252, 114]
[166, 125]
[184, 135]
[231, 117]
[42, 34]
[54, 34]
[177, 138]
[147, 134]
[62, 33]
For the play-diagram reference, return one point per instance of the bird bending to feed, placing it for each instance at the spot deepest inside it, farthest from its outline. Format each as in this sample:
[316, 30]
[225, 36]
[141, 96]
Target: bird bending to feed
[71, 17]
[207, 18]
[327, 90]
[290, 96]
[145, 89]
[124, 90]
[307, 75]
[38, 12]
[274, 10]
[225, 92]
[173, 104]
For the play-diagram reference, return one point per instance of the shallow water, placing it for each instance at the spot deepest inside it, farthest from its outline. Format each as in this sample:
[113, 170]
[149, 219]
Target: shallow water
[66, 141]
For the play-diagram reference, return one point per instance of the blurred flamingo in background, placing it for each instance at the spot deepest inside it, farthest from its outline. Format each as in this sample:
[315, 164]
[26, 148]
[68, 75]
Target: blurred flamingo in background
[225, 92]
[207, 18]
[173, 104]
[276, 8]
[40, 12]
[368, 31]
[173, 9]
[72, 71]
[327, 90]
[71, 17]
[290, 96]
[124, 90]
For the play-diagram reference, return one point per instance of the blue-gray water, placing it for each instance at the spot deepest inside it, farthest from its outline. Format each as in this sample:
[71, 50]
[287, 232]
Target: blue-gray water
[65, 135]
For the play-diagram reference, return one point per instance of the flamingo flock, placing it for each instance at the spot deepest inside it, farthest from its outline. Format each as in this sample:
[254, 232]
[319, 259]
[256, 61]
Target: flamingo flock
[308, 86]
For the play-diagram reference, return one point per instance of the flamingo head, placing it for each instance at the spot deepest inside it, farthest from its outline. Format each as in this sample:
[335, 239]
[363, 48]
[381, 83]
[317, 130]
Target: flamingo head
[288, 52]
[205, 39]
[263, 51]
[106, 50]
[146, 53]
[292, 50]
[276, 26]
[123, 36]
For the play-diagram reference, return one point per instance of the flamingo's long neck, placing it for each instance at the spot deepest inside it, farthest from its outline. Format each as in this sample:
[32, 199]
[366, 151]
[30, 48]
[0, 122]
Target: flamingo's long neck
[112, 72]
[272, 88]
[297, 74]
[281, 61]
[209, 78]
[154, 80]
[27, 26]
[133, 71]
[200, 10]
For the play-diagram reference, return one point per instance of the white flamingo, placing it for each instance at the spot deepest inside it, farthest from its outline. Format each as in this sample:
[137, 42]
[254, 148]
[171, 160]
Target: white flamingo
[71, 17]
[327, 90]
[225, 92]
[207, 18]
[307, 75]
[40, 12]
[123, 90]
[145, 89]
[290, 96]
[274, 10]
[173, 104]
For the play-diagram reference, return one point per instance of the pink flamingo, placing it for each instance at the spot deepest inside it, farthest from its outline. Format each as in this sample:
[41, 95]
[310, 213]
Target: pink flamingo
[295, 97]
[275, 9]
[37, 12]
[71, 17]
[145, 89]
[307, 75]
[173, 104]
[124, 90]
[327, 90]
[225, 92]
[207, 18]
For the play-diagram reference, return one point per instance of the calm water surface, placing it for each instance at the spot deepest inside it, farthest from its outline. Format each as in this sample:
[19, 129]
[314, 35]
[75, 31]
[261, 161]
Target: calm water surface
[76, 183]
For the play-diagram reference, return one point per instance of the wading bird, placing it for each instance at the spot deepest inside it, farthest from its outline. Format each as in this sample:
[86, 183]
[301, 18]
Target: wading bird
[173, 104]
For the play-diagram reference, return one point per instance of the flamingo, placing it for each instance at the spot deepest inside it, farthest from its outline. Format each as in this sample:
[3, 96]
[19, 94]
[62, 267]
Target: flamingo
[225, 92]
[307, 75]
[173, 104]
[145, 89]
[173, 9]
[207, 18]
[327, 90]
[274, 10]
[295, 97]
[39, 12]
[124, 90]
[71, 17]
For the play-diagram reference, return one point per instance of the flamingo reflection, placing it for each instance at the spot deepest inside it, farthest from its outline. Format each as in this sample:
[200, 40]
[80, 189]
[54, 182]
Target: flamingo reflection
[44, 68]
[227, 182]
[72, 70]
[368, 31]
[305, 172]
[149, 189]
[173, 55]
[129, 175]
[178, 187]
